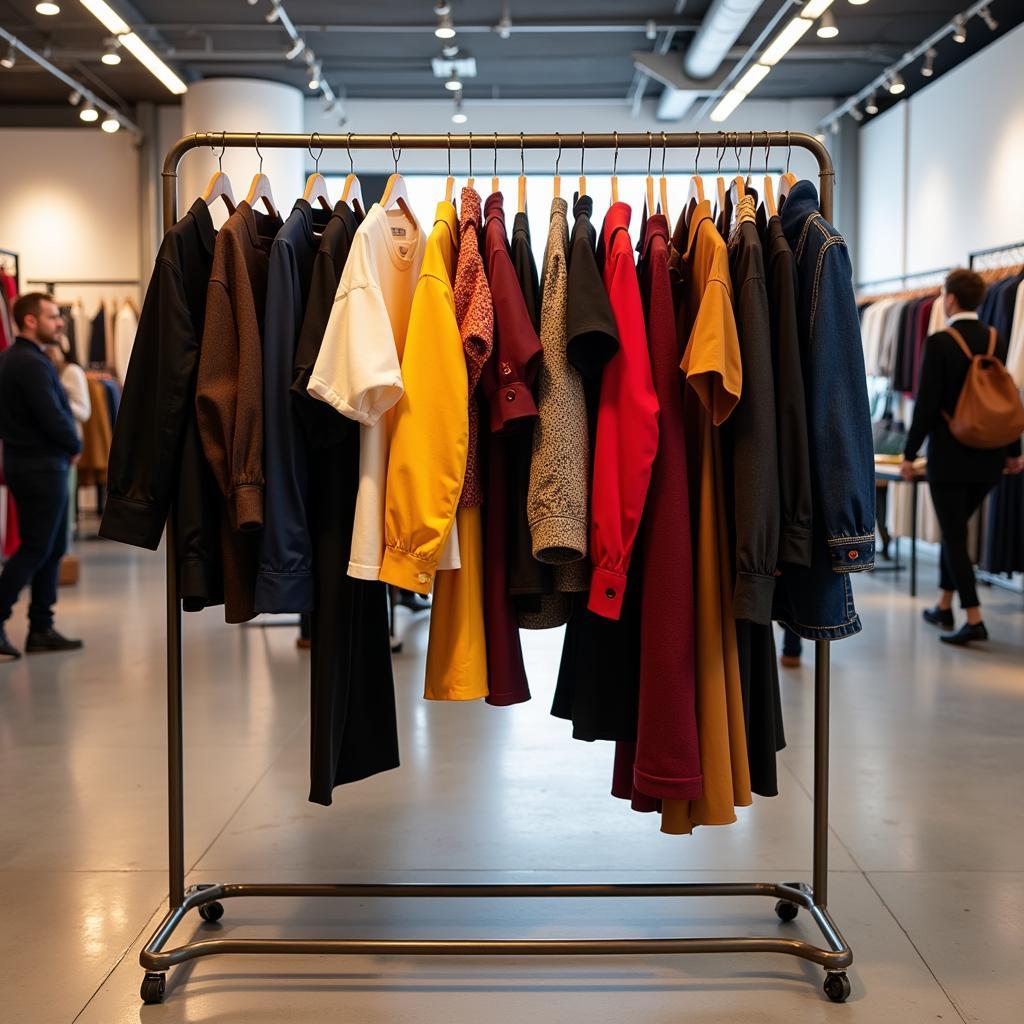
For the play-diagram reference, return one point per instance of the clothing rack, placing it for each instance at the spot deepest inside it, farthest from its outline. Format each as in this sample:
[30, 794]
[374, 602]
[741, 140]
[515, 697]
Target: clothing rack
[11, 263]
[52, 283]
[835, 955]
[902, 278]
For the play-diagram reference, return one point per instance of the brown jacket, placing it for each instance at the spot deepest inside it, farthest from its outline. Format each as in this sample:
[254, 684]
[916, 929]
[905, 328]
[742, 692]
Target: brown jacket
[229, 394]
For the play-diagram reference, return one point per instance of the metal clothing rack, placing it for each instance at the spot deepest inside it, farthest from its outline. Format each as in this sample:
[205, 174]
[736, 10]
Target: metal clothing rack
[902, 278]
[834, 954]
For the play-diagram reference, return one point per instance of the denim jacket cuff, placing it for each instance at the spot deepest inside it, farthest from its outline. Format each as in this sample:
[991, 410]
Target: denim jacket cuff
[752, 598]
[852, 554]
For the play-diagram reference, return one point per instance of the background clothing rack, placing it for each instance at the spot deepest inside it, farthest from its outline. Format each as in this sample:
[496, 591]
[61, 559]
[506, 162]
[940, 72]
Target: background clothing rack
[11, 263]
[902, 279]
[835, 955]
[51, 283]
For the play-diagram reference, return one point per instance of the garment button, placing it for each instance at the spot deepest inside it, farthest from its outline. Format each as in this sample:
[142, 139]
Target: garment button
[853, 555]
[424, 577]
[510, 395]
[506, 369]
[610, 593]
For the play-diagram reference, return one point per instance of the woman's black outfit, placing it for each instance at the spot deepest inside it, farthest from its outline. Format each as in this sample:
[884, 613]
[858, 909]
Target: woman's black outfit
[959, 477]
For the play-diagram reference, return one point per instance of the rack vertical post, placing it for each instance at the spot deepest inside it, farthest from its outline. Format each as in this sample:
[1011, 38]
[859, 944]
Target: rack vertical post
[835, 955]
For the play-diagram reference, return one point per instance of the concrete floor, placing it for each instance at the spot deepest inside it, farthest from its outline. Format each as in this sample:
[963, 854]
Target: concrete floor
[927, 883]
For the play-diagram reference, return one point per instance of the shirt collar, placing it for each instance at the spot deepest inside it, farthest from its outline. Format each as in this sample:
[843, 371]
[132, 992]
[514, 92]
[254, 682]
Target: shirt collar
[801, 202]
[34, 344]
[655, 227]
[470, 209]
[701, 213]
[495, 207]
[966, 315]
[582, 206]
[200, 213]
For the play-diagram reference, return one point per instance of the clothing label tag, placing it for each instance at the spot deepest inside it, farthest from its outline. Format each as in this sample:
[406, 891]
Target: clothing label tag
[397, 232]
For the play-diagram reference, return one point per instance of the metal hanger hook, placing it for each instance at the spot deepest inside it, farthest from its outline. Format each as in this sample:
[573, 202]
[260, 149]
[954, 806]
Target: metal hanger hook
[721, 156]
[767, 150]
[258, 153]
[583, 150]
[789, 151]
[664, 151]
[396, 153]
[736, 150]
[348, 147]
[449, 154]
[650, 153]
[316, 159]
[495, 169]
[558, 159]
[470, 155]
[750, 162]
[220, 155]
[615, 158]
[522, 155]
[696, 157]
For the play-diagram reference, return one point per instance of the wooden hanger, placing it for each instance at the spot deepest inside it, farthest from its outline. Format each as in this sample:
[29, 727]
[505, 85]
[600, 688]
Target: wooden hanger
[788, 180]
[615, 167]
[521, 181]
[769, 195]
[352, 191]
[260, 188]
[696, 192]
[557, 178]
[449, 182]
[663, 181]
[395, 191]
[470, 180]
[316, 186]
[738, 188]
[583, 151]
[219, 186]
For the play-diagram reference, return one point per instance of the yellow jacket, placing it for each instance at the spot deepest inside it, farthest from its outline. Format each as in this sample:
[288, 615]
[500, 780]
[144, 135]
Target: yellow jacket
[430, 429]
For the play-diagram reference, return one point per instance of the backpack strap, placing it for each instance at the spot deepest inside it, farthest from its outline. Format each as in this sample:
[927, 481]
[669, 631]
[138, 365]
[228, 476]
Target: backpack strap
[959, 339]
[992, 341]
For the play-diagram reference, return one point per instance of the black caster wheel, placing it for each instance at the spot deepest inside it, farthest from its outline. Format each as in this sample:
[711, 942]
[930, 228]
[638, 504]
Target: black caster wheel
[786, 911]
[837, 986]
[211, 912]
[152, 990]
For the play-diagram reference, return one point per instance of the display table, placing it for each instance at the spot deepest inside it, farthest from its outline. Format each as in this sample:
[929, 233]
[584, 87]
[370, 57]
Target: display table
[889, 471]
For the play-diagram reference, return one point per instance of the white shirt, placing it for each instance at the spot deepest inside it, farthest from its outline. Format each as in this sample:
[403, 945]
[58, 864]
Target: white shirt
[1015, 353]
[76, 387]
[126, 323]
[358, 370]
[972, 315]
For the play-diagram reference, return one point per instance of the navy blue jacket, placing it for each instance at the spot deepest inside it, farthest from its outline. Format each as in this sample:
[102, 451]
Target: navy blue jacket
[36, 424]
[817, 601]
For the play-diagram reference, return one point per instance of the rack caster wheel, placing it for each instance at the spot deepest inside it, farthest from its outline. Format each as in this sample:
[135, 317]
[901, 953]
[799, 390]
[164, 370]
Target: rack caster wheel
[152, 990]
[786, 911]
[211, 912]
[837, 986]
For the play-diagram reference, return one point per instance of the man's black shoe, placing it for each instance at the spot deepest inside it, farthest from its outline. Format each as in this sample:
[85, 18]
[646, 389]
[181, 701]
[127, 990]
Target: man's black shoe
[966, 634]
[7, 649]
[939, 617]
[50, 640]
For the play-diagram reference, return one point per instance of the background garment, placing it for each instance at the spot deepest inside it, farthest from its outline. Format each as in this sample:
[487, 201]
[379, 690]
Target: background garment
[76, 387]
[284, 582]
[430, 424]
[98, 337]
[457, 647]
[126, 325]
[353, 725]
[358, 370]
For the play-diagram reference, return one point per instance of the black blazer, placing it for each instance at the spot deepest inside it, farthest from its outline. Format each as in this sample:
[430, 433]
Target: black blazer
[943, 372]
[36, 424]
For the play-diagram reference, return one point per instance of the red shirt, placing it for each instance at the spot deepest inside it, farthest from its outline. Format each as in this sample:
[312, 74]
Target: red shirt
[627, 426]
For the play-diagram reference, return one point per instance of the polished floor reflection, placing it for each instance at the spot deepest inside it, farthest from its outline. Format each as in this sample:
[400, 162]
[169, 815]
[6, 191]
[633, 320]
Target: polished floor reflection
[928, 879]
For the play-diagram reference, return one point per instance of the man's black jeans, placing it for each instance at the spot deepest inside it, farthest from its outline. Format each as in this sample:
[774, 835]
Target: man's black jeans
[42, 500]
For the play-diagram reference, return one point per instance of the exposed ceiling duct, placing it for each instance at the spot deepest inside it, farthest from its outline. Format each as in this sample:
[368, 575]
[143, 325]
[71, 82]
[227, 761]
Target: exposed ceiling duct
[721, 27]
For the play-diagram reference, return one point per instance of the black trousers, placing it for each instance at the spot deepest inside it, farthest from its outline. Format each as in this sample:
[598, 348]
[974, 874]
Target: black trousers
[42, 500]
[955, 503]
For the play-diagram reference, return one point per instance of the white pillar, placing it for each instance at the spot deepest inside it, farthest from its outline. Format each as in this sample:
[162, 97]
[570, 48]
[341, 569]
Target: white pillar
[242, 105]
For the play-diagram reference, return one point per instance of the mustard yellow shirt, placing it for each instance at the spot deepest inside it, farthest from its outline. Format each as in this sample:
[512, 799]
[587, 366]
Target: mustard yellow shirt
[430, 429]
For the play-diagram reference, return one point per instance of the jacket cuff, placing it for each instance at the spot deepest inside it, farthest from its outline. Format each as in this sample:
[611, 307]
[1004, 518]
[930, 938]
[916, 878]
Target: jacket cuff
[559, 539]
[246, 507]
[132, 522]
[852, 554]
[752, 597]
[281, 592]
[408, 571]
[795, 545]
[607, 588]
[511, 405]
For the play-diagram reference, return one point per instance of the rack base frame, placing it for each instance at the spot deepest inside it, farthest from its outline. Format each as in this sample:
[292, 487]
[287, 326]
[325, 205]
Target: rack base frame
[835, 956]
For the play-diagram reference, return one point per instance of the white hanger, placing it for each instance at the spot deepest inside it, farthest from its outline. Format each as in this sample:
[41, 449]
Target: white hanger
[260, 187]
[352, 191]
[316, 186]
[219, 186]
[395, 191]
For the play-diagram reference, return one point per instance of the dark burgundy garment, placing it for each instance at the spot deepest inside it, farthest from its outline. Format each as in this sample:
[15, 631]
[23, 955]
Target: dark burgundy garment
[527, 578]
[667, 750]
[622, 780]
[507, 383]
[924, 313]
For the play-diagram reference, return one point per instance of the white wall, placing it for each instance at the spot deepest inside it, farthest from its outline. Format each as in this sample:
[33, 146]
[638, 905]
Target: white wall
[69, 205]
[963, 149]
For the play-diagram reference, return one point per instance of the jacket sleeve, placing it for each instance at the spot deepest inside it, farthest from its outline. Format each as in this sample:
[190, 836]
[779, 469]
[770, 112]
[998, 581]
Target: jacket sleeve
[711, 361]
[50, 408]
[430, 435]
[755, 462]
[357, 371]
[624, 450]
[284, 581]
[926, 405]
[156, 404]
[840, 417]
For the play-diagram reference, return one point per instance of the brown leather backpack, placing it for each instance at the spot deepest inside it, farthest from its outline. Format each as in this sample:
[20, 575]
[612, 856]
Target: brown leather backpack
[988, 413]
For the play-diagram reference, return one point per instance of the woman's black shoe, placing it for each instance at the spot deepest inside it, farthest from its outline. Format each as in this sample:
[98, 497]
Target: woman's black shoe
[939, 617]
[965, 634]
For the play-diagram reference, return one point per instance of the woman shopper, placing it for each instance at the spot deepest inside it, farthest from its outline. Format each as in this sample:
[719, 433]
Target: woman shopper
[959, 476]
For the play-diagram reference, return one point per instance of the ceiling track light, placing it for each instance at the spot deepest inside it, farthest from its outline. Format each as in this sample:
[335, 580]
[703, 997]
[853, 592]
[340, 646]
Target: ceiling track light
[10, 58]
[986, 16]
[857, 3]
[871, 107]
[896, 84]
[856, 114]
[75, 98]
[959, 29]
[452, 83]
[295, 49]
[89, 113]
[48, 9]
[445, 26]
[110, 55]
[314, 77]
[928, 68]
[827, 27]
[458, 116]
[111, 124]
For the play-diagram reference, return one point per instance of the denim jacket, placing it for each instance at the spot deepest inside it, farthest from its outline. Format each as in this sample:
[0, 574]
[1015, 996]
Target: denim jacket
[817, 601]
